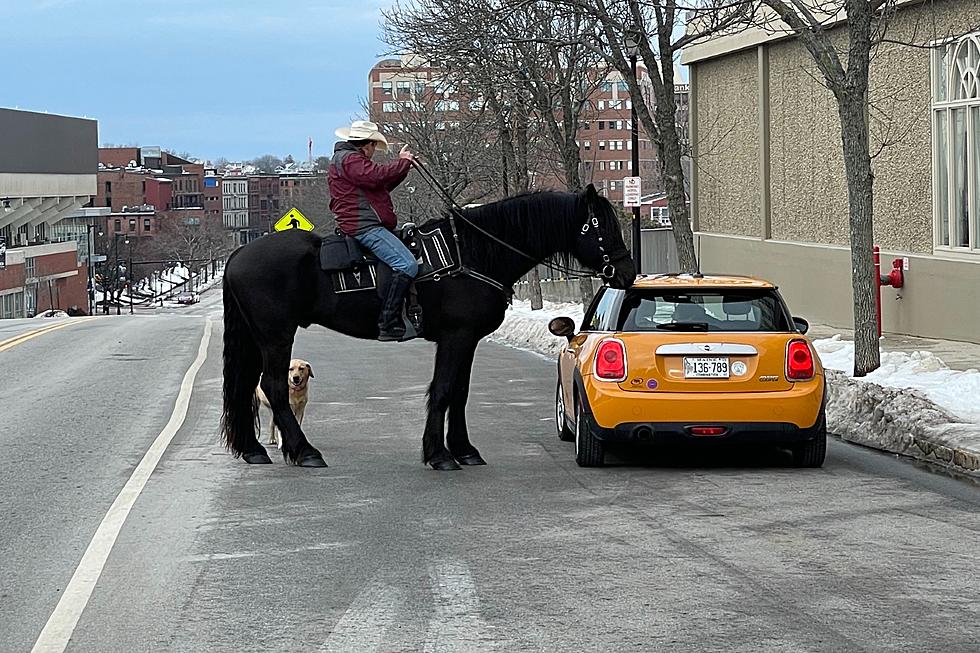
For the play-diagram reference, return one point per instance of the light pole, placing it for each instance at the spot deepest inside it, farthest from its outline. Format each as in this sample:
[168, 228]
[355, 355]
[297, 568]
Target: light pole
[115, 266]
[632, 48]
[89, 246]
[129, 276]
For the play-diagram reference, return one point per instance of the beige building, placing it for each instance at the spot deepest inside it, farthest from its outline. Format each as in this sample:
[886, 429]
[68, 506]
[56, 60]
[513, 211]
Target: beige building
[768, 189]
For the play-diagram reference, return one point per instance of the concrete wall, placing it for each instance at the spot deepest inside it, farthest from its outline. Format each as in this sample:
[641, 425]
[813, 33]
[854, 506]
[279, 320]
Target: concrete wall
[41, 143]
[727, 108]
[941, 297]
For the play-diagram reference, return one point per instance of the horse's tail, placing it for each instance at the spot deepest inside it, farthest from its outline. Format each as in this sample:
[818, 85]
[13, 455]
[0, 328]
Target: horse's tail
[242, 368]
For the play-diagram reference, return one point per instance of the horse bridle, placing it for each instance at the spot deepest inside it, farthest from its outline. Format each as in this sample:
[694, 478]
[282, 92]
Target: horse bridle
[455, 210]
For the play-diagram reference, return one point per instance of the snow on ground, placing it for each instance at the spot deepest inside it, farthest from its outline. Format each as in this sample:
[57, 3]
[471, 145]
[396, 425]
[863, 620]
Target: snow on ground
[954, 390]
[527, 329]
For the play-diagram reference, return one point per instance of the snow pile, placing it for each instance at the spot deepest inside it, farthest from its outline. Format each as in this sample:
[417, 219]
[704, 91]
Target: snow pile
[527, 329]
[954, 390]
[900, 420]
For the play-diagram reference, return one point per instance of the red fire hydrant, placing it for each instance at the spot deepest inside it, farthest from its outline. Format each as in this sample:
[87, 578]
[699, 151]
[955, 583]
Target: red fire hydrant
[895, 278]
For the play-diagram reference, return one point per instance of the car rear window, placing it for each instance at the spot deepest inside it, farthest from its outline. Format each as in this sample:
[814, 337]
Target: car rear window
[720, 309]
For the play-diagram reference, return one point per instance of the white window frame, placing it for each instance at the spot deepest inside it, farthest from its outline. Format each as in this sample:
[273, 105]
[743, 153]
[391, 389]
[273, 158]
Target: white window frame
[947, 79]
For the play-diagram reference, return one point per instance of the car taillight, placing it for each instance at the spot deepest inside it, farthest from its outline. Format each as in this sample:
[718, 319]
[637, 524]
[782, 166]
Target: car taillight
[610, 360]
[708, 430]
[799, 361]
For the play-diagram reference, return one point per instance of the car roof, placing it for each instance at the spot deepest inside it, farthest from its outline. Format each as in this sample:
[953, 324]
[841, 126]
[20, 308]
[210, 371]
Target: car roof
[675, 280]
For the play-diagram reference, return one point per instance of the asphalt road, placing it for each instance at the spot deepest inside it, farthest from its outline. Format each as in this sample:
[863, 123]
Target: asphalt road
[692, 550]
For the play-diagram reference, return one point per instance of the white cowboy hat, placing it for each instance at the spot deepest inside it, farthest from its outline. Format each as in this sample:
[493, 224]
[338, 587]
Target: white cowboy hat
[363, 130]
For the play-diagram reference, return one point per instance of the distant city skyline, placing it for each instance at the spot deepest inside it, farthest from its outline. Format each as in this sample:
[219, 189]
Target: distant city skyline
[230, 78]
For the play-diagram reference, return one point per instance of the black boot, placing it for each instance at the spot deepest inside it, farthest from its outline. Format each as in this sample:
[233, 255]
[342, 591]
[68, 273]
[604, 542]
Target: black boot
[390, 323]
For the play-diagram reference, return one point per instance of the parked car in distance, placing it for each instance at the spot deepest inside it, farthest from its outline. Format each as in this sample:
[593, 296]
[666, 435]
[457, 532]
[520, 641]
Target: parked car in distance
[690, 357]
[187, 297]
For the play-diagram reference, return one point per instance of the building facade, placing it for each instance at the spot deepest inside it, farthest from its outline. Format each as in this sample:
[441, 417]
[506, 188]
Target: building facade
[768, 187]
[263, 204]
[234, 199]
[47, 175]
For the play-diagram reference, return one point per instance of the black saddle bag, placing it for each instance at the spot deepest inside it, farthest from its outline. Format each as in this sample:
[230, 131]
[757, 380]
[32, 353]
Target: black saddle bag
[342, 253]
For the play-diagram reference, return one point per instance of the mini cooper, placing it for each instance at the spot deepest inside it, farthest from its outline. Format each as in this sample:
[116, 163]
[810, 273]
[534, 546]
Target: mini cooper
[690, 357]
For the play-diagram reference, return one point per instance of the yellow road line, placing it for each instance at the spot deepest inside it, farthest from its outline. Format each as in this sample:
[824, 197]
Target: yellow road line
[24, 337]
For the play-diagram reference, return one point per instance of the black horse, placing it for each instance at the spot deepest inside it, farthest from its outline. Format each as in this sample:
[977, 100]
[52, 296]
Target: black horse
[274, 285]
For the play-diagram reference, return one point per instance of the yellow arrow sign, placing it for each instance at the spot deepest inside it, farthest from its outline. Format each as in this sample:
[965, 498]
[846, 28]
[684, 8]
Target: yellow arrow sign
[293, 220]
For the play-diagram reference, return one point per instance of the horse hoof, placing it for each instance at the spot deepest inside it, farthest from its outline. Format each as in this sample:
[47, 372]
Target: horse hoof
[257, 458]
[447, 465]
[312, 460]
[471, 459]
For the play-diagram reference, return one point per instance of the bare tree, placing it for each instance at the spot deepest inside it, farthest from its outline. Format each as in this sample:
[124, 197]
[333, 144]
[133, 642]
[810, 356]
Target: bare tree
[184, 240]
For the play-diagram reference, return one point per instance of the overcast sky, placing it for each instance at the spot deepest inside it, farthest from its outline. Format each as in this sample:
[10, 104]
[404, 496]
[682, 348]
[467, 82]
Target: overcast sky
[232, 78]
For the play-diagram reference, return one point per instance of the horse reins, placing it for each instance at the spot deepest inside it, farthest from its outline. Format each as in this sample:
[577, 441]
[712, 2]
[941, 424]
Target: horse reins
[456, 211]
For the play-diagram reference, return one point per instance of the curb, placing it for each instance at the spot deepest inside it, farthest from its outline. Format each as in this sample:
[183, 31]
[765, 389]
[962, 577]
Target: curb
[901, 421]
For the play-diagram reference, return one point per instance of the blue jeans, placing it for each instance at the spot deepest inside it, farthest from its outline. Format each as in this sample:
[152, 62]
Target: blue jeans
[386, 246]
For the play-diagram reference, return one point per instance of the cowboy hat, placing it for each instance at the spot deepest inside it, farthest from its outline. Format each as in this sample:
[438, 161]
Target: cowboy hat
[363, 130]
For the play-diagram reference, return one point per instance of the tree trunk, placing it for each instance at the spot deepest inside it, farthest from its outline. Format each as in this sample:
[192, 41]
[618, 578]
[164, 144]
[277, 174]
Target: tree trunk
[680, 216]
[860, 198]
[534, 281]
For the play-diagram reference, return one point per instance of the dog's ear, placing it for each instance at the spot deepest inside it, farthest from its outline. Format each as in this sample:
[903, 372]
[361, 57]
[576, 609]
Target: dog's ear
[310, 369]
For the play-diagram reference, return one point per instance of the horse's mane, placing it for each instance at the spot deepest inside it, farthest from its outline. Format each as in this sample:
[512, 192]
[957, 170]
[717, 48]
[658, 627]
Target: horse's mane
[547, 221]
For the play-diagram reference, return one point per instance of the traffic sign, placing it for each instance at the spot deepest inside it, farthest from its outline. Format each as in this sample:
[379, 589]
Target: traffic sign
[293, 220]
[631, 191]
[99, 258]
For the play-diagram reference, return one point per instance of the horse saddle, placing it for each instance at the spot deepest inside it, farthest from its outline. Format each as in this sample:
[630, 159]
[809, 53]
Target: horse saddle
[342, 254]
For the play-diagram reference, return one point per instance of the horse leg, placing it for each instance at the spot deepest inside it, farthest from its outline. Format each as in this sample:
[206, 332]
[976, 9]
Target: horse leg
[441, 391]
[457, 438]
[295, 447]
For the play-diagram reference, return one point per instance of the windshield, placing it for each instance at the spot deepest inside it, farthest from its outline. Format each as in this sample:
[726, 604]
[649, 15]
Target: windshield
[716, 309]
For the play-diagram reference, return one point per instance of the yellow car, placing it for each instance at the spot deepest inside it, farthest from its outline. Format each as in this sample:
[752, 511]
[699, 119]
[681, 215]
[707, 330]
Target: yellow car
[690, 357]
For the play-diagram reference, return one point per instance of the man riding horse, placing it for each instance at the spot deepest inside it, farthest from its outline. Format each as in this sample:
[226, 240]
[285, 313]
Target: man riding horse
[360, 197]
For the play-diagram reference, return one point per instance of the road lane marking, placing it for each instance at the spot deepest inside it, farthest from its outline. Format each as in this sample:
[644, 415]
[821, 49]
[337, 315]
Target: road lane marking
[24, 337]
[58, 630]
[362, 628]
[457, 621]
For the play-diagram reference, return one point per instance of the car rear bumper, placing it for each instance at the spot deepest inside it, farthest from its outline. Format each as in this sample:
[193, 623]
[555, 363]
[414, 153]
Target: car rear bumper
[787, 416]
[678, 432]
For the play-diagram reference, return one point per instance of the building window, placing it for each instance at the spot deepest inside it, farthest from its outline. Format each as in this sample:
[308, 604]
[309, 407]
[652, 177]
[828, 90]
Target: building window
[602, 105]
[386, 88]
[602, 124]
[956, 138]
[447, 105]
[30, 267]
[118, 225]
[602, 165]
[146, 225]
[132, 224]
[607, 87]
[612, 185]
[602, 145]
[587, 145]
[108, 187]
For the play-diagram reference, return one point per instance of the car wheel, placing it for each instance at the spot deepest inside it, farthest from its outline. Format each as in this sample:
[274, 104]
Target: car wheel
[812, 452]
[589, 450]
[565, 434]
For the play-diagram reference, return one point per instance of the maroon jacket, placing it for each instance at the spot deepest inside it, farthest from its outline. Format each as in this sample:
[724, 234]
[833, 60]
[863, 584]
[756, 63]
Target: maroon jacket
[360, 190]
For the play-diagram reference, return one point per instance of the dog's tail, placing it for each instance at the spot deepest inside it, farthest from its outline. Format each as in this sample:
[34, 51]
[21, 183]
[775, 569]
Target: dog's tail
[242, 367]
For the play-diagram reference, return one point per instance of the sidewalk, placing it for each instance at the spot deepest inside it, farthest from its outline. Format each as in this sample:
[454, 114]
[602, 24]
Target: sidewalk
[957, 355]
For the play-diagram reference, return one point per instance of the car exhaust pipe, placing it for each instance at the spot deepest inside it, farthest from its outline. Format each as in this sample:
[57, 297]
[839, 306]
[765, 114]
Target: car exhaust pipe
[643, 433]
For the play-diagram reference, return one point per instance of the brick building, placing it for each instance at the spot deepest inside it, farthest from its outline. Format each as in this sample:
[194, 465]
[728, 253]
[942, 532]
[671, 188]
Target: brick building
[234, 199]
[263, 204]
[213, 208]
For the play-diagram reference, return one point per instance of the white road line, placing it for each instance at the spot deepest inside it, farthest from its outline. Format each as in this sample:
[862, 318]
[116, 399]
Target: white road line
[363, 626]
[57, 632]
[456, 624]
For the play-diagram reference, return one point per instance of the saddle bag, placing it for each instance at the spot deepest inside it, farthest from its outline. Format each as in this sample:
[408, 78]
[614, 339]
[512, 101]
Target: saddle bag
[341, 252]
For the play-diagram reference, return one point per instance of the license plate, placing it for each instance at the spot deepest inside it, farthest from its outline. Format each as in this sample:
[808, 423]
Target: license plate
[706, 368]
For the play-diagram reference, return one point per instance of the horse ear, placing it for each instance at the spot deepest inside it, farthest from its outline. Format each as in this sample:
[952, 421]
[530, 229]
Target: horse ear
[590, 192]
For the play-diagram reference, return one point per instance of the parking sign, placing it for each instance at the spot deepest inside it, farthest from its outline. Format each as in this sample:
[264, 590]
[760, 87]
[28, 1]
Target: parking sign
[631, 191]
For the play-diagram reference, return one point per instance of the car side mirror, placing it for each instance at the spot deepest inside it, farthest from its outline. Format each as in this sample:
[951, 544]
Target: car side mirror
[801, 325]
[563, 327]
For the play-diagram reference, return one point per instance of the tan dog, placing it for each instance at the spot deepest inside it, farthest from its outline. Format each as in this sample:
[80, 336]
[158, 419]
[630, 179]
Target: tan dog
[300, 373]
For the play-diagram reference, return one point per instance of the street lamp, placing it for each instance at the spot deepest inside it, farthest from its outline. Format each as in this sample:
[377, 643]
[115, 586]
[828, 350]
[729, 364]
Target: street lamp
[90, 246]
[632, 49]
[115, 266]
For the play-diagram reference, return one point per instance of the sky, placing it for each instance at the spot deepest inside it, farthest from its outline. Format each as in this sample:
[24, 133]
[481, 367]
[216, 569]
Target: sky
[214, 78]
